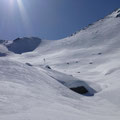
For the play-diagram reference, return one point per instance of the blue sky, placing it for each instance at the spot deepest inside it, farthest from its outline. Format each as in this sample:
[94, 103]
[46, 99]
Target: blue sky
[50, 19]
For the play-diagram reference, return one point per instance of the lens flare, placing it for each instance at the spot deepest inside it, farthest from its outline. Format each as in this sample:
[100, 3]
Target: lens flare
[24, 15]
[11, 2]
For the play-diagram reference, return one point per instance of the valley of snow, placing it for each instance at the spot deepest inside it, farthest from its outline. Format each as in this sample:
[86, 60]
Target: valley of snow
[36, 76]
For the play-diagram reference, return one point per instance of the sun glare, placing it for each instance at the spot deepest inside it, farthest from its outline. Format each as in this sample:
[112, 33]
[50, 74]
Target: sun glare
[19, 6]
[11, 2]
[24, 15]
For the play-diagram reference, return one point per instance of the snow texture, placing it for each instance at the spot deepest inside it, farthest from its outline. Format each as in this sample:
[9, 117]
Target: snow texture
[36, 76]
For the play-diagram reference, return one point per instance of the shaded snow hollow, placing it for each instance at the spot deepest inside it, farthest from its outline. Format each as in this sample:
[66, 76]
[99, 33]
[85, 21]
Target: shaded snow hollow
[22, 45]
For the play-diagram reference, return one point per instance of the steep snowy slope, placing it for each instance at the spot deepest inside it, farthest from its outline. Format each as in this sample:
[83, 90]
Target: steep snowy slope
[35, 83]
[96, 46]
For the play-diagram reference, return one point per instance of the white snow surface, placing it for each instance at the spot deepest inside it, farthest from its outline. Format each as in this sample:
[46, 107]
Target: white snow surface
[29, 90]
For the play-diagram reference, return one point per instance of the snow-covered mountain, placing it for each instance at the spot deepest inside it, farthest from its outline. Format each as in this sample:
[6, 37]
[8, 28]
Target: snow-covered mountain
[77, 77]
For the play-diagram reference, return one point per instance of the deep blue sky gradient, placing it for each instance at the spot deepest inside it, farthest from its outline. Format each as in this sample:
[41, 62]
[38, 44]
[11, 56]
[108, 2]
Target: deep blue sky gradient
[51, 19]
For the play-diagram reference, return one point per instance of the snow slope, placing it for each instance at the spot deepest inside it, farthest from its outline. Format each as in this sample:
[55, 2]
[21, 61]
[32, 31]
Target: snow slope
[30, 90]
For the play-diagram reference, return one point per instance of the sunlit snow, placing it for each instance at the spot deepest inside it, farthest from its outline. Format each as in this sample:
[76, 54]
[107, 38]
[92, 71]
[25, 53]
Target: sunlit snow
[36, 76]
